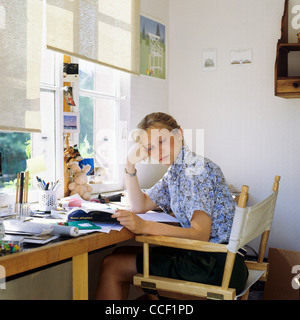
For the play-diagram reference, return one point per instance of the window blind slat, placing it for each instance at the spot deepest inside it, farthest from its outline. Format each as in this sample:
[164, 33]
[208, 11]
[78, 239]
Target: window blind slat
[20, 60]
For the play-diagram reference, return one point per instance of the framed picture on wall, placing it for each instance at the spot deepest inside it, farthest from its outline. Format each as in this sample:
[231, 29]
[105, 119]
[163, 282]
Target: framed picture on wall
[71, 122]
[152, 48]
[209, 59]
[241, 57]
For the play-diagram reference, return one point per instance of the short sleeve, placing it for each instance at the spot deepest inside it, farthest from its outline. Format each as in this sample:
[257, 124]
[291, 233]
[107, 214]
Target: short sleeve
[160, 194]
[208, 192]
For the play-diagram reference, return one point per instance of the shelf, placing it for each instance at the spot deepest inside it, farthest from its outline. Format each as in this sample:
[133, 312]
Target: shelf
[289, 46]
[292, 78]
[285, 86]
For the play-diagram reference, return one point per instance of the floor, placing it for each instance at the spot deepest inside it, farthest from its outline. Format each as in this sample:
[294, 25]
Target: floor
[257, 291]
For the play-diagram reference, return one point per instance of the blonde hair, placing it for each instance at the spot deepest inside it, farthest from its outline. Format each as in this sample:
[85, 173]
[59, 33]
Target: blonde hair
[158, 120]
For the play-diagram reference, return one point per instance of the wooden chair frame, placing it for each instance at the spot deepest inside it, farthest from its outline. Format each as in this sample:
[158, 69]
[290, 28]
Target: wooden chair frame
[187, 289]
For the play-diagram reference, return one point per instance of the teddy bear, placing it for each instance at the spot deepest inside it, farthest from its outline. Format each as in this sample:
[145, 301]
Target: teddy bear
[79, 184]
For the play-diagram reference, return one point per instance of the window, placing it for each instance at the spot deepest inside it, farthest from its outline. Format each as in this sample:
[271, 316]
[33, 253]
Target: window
[98, 100]
[16, 147]
[99, 107]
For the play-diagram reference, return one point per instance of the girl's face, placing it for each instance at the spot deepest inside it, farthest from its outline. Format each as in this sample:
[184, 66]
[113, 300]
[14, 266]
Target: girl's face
[162, 145]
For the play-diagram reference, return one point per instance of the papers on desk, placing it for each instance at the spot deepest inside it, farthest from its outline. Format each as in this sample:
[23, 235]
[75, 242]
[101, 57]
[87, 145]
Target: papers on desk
[31, 232]
[5, 215]
[43, 230]
[40, 233]
[111, 208]
[40, 239]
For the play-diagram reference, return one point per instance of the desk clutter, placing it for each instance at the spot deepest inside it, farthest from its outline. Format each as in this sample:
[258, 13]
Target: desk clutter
[47, 221]
[73, 217]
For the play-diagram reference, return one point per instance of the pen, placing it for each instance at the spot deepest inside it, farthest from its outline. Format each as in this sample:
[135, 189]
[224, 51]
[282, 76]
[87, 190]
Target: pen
[21, 186]
[56, 185]
[47, 186]
[40, 185]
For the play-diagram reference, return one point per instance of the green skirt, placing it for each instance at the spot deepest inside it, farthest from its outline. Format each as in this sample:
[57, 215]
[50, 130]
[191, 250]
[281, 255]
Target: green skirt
[195, 266]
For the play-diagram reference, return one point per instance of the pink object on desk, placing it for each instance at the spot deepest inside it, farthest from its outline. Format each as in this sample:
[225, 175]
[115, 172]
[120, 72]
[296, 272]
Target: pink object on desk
[75, 203]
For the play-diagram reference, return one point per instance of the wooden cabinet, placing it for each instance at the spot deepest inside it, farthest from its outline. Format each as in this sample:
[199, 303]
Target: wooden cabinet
[285, 85]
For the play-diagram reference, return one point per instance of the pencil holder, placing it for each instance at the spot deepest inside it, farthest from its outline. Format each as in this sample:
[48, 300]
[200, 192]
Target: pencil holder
[47, 200]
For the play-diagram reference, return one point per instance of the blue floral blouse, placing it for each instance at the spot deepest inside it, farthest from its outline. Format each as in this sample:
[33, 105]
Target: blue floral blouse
[192, 183]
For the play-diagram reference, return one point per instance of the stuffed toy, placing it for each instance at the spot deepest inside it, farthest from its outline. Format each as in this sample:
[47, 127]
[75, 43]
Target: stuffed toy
[79, 184]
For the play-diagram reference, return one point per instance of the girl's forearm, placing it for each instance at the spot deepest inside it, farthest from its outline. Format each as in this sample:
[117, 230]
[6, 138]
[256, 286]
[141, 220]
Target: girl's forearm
[136, 197]
[163, 229]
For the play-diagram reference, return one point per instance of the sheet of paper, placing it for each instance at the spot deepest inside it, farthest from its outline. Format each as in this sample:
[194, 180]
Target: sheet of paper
[157, 216]
[106, 228]
[27, 227]
[40, 239]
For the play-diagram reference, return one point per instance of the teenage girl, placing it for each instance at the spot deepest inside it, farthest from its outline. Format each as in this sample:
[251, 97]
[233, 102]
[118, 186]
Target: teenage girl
[195, 190]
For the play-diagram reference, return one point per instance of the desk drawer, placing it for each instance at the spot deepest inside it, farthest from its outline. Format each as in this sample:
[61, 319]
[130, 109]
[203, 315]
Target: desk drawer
[288, 85]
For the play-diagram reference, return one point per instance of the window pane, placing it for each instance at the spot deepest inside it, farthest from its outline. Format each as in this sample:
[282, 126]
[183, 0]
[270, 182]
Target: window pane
[86, 135]
[97, 136]
[97, 78]
[47, 67]
[105, 138]
[105, 80]
[43, 144]
[86, 75]
[15, 148]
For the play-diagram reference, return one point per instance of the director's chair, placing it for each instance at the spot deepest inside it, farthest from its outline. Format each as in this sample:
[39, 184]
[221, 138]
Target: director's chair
[248, 223]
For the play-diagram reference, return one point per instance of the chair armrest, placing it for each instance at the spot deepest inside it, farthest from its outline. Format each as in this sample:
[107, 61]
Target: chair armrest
[182, 243]
[259, 266]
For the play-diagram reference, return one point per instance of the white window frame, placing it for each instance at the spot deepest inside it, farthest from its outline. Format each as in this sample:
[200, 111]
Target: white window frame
[118, 97]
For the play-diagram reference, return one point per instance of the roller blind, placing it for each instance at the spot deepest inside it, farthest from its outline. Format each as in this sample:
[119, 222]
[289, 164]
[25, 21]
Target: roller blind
[104, 31]
[20, 59]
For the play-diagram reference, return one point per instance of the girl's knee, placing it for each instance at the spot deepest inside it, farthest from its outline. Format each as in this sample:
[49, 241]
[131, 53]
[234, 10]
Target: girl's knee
[109, 262]
[121, 266]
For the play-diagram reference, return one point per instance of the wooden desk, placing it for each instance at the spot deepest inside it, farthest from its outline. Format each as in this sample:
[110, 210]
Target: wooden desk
[75, 248]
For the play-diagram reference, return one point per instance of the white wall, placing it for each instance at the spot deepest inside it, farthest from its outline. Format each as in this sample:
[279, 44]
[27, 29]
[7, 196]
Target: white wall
[249, 132]
[150, 94]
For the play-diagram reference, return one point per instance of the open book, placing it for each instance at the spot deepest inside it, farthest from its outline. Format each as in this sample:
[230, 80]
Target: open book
[82, 213]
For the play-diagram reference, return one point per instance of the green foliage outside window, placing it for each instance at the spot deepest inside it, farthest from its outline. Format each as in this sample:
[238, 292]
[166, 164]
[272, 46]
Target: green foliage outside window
[15, 148]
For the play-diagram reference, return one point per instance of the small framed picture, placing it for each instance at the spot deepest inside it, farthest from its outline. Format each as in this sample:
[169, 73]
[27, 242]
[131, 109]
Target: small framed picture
[209, 59]
[71, 122]
[241, 57]
[71, 72]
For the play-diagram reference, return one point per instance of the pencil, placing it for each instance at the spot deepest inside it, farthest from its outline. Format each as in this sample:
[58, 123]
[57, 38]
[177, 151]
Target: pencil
[26, 187]
[17, 191]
